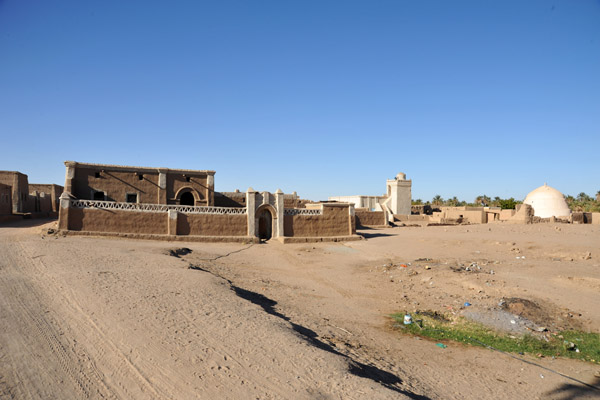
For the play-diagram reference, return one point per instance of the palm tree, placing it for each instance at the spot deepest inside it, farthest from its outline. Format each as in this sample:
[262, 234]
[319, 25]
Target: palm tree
[496, 201]
[598, 195]
[453, 202]
[483, 200]
[583, 197]
[437, 200]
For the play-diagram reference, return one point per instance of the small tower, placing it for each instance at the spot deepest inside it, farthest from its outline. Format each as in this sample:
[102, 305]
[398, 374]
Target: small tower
[399, 189]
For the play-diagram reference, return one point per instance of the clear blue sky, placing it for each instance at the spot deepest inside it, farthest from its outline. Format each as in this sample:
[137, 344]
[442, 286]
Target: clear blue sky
[322, 97]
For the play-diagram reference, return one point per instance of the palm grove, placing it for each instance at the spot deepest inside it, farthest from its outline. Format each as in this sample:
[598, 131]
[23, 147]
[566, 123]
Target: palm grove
[582, 202]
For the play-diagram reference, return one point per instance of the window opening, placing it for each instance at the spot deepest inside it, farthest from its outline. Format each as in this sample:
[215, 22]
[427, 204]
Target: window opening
[98, 195]
[132, 197]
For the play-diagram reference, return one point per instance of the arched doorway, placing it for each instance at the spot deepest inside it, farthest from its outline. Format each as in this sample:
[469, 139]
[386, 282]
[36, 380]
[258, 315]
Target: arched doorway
[187, 199]
[265, 224]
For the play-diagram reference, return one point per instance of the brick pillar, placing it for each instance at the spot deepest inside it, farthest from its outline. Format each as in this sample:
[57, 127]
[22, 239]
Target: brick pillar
[172, 215]
[162, 188]
[352, 220]
[210, 190]
[279, 207]
[69, 176]
[251, 211]
[63, 212]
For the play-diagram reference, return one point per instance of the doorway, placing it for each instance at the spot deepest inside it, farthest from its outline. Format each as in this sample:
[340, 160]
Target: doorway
[187, 199]
[265, 225]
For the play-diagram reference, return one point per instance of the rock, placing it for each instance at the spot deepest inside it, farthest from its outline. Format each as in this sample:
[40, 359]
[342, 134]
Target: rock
[587, 256]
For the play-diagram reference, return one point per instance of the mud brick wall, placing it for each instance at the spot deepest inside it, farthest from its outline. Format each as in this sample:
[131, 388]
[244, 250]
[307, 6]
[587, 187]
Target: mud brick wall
[100, 220]
[5, 199]
[212, 224]
[369, 218]
[335, 221]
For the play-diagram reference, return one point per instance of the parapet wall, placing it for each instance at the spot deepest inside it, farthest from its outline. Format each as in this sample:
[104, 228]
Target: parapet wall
[174, 222]
[334, 220]
[151, 219]
[103, 220]
[212, 224]
[365, 218]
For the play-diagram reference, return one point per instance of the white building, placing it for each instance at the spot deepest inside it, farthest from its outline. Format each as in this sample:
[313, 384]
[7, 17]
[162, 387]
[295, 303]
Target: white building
[396, 201]
[547, 202]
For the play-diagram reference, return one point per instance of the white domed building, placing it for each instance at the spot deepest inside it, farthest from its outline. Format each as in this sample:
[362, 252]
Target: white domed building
[547, 202]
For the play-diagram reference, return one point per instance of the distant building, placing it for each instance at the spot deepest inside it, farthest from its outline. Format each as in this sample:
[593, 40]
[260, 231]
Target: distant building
[18, 197]
[179, 204]
[397, 200]
[547, 202]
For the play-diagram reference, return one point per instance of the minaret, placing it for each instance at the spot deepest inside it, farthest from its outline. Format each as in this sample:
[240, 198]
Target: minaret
[399, 189]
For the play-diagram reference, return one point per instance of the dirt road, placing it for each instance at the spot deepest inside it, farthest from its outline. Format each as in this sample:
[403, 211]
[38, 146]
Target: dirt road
[84, 317]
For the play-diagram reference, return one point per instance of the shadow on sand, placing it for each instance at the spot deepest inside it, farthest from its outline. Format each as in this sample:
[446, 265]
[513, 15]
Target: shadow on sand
[26, 223]
[569, 391]
[357, 368]
[367, 235]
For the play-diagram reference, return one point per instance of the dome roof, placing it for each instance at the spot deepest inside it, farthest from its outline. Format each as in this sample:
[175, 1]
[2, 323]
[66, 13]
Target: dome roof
[547, 202]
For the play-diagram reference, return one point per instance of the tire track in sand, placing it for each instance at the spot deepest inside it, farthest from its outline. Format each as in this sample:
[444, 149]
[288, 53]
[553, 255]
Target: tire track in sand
[126, 380]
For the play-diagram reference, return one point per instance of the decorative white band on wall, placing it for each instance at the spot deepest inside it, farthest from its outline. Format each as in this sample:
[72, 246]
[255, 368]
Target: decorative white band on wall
[301, 211]
[113, 205]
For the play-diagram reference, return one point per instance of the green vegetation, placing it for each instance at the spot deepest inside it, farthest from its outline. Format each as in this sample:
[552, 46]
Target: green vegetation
[582, 202]
[480, 201]
[571, 344]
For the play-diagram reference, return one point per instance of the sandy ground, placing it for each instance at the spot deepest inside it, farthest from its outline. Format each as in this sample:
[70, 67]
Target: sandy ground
[84, 317]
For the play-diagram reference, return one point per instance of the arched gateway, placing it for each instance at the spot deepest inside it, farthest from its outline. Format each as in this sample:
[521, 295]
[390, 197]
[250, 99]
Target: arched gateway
[265, 224]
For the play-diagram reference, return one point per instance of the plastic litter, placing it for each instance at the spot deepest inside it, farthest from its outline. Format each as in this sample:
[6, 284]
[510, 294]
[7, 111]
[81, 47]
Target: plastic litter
[467, 304]
[403, 265]
[407, 319]
[441, 345]
[571, 346]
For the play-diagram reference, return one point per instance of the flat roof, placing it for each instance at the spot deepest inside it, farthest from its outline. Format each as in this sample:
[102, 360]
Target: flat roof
[13, 172]
[44, 184]
[138, 169]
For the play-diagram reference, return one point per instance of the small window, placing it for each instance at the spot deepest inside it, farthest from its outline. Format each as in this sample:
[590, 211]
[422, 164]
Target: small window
[187, 178]
[97, 174]
[141, 177]
[132, 197]
[98, 195]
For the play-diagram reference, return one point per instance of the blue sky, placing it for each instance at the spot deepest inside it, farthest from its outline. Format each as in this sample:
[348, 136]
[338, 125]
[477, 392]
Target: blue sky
[321, 97]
